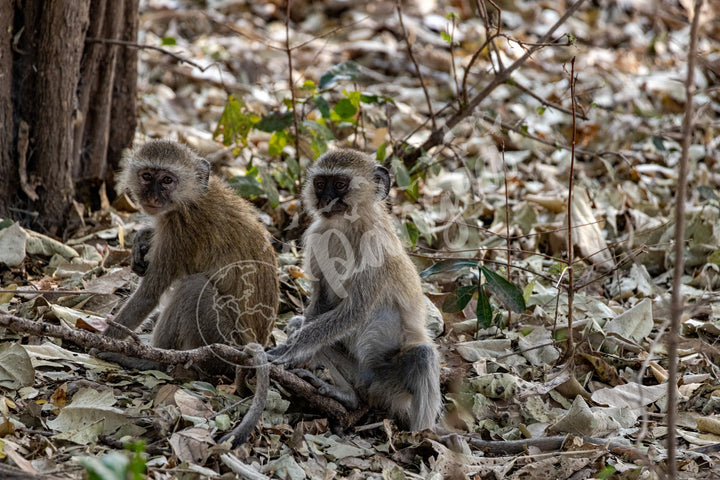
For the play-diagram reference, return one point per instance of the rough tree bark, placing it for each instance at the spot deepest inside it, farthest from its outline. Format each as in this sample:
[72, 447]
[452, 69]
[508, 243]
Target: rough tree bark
[61, 94]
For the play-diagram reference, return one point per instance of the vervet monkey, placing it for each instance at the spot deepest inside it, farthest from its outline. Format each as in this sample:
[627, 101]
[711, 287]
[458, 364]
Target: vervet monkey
[365, 321]
[207, 244]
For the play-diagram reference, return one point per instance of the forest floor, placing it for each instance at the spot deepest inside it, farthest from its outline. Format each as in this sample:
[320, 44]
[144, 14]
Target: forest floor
[496, 191]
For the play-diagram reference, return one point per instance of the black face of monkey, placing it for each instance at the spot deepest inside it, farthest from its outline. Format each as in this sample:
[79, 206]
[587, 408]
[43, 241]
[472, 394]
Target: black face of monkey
[156, 189]
[330, 191]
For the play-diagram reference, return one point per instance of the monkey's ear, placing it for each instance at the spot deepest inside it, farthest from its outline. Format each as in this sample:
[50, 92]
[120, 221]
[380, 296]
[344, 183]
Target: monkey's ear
[203, 172]
[382, 177]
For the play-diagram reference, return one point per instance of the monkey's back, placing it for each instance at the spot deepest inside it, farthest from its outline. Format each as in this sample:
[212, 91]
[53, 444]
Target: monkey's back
[223, 240]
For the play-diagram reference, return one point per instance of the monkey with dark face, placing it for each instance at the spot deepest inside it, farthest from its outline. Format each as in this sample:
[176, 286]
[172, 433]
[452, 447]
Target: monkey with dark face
[207, 244]
[365, 321]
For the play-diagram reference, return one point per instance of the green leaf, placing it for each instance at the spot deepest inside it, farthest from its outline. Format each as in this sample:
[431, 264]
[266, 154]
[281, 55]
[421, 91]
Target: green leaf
[319, 134]
[277, 142]
[658, 142]
[234, 124]
[168, 41]
[402, 177]
[446, 36]
[605, 473]
[345, 109]
[344, 71]
[448, 266]
[414, 189]
[111, 466]
[246, 186]
[294, 168]
[381, 153]
[354, 97]
[484, 310]
[275, 122]
[309, 86]
[456, 301]
[323, 106]
[411, 232]
[540, 109]
[509, 295]
[268, 186]
[706, 193]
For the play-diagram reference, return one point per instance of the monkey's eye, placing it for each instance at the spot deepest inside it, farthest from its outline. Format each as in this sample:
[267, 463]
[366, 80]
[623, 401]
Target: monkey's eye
[340, 185]
[166, 180]
[319, 184]
[146, 177]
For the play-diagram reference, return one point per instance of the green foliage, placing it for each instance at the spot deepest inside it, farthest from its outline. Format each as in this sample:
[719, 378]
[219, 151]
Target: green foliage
[606, 472]
[508, 295]
[168, 41]
[116, 465]
[344, 71]
[235, 123]
[328, 110]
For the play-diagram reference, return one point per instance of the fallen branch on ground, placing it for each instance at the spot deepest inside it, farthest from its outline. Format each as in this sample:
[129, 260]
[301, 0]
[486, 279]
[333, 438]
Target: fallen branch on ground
[327, 406]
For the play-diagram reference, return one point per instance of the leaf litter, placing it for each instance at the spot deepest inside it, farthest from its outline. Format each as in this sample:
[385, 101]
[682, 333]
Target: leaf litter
[62, 409]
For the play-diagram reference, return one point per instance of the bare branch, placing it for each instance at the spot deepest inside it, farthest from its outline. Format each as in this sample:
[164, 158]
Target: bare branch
[329, 407]
[437, 134]
[110, 41]
[398, 6]
[677, 301]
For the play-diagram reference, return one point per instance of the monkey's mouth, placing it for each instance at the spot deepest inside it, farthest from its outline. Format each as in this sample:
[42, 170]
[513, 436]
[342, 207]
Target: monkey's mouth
[333, 209]
[152, 209]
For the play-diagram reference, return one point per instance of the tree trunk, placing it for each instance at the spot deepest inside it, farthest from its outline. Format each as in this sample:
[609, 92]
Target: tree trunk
[8, 175]
[67, 90]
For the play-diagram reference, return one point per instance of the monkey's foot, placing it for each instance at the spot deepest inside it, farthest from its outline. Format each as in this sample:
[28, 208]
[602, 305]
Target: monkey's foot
[348, 398]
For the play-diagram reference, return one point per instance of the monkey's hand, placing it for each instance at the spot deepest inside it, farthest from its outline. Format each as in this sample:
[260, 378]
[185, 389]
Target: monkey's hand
[141, 245]
[288, 353]
[274, 354]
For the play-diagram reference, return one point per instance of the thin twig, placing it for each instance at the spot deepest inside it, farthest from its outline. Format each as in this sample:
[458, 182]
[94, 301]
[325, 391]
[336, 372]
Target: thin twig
[507, 220]
[291, 81]
[452, 61]
[677, 301]
[547, 102]
[140, 46]
[398, 6]
[571, 257]
[437, 134]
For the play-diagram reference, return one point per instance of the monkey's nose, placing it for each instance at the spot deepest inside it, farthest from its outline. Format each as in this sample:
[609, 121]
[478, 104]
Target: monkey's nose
[325, 201]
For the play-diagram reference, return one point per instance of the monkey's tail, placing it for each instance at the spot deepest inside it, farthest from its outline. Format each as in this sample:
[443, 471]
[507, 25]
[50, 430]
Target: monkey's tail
[423, 381]
[242, 431]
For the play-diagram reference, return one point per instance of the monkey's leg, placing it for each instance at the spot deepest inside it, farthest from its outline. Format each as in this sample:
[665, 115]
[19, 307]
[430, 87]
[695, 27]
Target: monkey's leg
[342, 372]
[409, 386]
[195, 317]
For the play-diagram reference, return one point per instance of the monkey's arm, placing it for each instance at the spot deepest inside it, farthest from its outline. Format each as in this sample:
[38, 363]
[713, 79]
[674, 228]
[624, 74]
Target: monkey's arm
[141, 245]
[143, 301]
[327, 328]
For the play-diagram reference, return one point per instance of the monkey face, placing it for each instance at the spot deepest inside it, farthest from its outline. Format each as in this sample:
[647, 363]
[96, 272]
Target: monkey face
[342, 181]
[155, 189]
[330, 191]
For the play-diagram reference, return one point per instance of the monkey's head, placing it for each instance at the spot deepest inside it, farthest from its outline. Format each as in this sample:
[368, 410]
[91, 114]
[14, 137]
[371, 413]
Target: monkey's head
[163, 175]
[343, 180]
